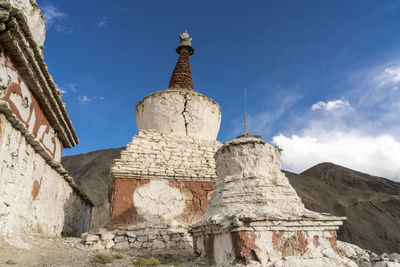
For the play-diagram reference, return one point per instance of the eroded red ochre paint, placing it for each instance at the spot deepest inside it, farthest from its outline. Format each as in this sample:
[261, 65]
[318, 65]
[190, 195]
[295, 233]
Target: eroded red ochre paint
[333, 240]
[36, 188]
[123, 210]
[316, 241]
[197, 194]
[294, 245]
[40, 118]
[245, 248]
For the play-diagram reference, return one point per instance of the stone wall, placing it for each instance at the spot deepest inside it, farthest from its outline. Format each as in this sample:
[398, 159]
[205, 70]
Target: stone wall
[35, 197]
[143, 239]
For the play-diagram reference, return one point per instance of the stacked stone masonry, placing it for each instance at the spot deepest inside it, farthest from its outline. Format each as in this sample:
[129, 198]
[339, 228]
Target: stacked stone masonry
[167, 156]
[143, 240]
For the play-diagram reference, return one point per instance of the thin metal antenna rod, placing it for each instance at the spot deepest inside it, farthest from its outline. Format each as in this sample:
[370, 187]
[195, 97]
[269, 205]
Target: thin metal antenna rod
[245, 110]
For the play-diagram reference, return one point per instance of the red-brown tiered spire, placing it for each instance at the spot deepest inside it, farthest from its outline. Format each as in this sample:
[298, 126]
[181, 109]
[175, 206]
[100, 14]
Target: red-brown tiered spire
[181, 77]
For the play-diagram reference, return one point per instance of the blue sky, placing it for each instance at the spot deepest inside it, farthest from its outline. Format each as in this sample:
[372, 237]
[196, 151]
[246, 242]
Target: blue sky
[322, 77]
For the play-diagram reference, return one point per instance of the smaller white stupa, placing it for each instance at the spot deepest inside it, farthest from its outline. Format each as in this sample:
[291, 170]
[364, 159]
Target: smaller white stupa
[254, 215]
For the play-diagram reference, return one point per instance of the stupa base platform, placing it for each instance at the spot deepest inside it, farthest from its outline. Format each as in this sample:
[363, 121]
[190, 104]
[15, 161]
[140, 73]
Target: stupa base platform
[272, 242]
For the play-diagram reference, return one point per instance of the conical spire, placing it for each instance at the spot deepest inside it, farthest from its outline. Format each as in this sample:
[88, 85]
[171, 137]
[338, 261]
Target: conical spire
[181, 77]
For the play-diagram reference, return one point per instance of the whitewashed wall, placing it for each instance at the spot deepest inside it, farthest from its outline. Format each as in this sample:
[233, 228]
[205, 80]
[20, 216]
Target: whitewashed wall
[35, 198]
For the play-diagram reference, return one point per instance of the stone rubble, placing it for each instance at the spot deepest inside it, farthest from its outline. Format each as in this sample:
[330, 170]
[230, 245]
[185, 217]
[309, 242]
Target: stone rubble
[367, 258]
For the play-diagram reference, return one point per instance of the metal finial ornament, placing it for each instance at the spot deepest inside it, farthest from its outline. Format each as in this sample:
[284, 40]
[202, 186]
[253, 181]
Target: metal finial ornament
[186, 41]
[245, 110]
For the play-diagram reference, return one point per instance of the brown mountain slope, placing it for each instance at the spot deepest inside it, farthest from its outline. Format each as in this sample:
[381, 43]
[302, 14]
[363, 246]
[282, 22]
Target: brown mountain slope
[372, 204]
[91, 172]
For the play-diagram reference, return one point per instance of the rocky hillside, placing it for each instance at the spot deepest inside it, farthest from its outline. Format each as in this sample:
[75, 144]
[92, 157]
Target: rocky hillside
[371, 204]
[91, 172]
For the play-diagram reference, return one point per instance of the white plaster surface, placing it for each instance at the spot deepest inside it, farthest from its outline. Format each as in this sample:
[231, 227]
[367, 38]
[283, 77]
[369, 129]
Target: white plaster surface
[179, 112]
[223, 249]
[163, 155]
[34, 18]
[57, 208]
[157, 202]
[251, 183]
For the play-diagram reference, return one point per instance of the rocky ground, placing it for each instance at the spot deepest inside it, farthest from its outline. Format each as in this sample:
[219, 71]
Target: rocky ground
[39, 251]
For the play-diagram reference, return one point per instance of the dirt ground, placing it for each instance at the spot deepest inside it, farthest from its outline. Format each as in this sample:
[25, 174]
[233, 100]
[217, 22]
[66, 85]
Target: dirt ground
[39, 251]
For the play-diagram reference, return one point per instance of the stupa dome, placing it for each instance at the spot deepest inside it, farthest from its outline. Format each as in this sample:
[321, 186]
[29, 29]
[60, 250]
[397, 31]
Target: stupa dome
[179, 110]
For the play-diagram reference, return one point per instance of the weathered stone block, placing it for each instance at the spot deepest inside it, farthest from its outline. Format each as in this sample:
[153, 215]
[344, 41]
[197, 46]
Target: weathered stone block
[131, 234]
[122, 245]
[106, 236]
[119, 239]
[157, 244]
[137, 244]
[109, 244]
[92, 238]
[142, 238]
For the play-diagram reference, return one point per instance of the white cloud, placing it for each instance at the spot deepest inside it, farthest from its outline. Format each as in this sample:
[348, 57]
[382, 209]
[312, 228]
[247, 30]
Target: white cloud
[51, 15]
[390, 75]
[364, 136]
[331, 105]
[376, 155]
[103, 22]
[69, 87]
[84, 99]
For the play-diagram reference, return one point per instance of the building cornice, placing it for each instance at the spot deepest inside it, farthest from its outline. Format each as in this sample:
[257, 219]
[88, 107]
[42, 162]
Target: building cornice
[16, 38]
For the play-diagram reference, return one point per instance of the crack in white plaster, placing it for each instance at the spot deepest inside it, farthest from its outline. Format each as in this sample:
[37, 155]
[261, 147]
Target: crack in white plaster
[184, 113]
